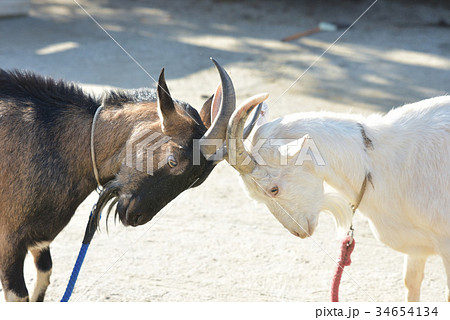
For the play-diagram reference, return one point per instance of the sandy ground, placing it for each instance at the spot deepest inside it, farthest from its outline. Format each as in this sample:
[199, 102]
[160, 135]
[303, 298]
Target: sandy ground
[212, 243]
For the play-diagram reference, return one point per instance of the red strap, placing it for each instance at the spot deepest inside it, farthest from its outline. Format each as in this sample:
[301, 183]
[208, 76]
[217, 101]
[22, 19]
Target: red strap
[344, 260]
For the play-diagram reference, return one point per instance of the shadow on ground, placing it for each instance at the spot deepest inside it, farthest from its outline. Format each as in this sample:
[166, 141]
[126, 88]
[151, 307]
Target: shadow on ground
[374, 65]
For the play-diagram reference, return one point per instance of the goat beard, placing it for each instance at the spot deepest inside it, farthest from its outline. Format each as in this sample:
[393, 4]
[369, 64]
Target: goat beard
[110, 194]
[340, 209]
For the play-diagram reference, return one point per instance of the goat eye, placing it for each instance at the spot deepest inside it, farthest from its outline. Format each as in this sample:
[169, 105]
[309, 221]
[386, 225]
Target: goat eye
[274, 190]
[172, 162]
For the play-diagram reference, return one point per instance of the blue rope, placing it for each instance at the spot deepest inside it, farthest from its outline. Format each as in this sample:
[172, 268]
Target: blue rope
[75, 272]
[88, 235]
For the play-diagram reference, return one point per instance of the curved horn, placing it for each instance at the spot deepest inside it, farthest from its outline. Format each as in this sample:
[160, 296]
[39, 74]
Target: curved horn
[218, 128]
[252, 123]
[248, 129]
[235, 131]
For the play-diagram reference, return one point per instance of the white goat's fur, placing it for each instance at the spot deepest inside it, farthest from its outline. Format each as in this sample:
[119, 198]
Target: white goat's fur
[408, 201]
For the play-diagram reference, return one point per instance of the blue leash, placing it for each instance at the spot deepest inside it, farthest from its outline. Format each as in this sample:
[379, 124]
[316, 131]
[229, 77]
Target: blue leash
[88, 235]
[92, 225]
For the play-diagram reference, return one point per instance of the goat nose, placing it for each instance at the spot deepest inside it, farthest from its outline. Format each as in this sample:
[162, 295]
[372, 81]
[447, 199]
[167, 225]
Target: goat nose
[303, 236]
[136, 220]
[131, 215]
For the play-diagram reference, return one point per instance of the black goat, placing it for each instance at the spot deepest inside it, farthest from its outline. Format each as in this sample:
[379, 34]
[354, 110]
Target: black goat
[46, 169]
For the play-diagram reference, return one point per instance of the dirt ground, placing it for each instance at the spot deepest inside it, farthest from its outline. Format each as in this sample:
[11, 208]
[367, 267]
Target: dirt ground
[212, 243]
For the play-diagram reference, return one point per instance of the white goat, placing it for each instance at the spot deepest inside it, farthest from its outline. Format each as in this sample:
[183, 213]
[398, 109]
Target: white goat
[404, 155]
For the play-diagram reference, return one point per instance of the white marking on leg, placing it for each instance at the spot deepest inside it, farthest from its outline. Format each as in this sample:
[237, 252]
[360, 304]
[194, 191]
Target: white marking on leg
[40, 246]
[10, 296]
[42, 283]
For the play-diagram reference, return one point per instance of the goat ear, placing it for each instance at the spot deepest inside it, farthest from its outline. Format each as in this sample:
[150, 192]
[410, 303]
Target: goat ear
[205, 112]
[293, 148]
[217, 101]
[211, 107]
[166, 107]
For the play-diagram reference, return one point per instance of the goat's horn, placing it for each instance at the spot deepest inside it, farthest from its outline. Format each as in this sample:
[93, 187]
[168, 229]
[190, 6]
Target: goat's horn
[235, 132]
[248, 129]
[218, 128]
